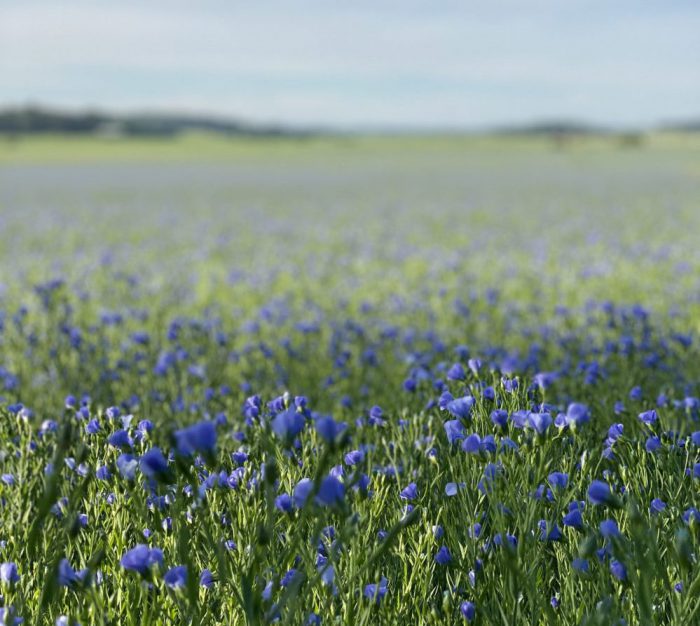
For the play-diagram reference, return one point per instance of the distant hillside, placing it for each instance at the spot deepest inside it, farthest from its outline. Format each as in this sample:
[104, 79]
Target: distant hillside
[31, 120]
[687, 126]
[553, 127]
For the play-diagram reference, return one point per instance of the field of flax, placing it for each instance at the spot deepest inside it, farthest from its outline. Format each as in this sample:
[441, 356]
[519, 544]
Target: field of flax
[349, 381]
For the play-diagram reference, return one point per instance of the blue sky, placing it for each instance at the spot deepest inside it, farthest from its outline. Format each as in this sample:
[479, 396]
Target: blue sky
[361, 64]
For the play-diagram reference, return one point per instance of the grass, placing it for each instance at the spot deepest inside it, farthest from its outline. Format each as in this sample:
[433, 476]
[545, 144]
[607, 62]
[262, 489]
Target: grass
[199, 280]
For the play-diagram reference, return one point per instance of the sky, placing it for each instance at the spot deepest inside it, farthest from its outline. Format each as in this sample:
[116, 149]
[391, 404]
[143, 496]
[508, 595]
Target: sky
[411, 64]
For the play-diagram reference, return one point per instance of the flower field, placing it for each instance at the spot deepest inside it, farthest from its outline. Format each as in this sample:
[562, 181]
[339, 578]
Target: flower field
[350, 381]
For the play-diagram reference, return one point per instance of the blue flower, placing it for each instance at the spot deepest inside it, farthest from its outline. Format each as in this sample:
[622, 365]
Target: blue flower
[301, 492]
[127, 464]
[331, 492]
[652, 444]
[141, 558]
[410, 492]
[206, 579]
[468, 610]
[454, 431]
[574, 519]
[329, 429]
[461, 407]
[200, 437]
[283, 503]
[499, 418]
[649, 417]
[153, 464]
[8, 573]
[609, 529]
[577, 414]
[288, 424]
[176, 577]
[67, 576]
[691, 514]
[618, 570]
[376, 591]
[580, 565]
[472, 444]
[120, 439]
[354, 457]
[558, 480]
[599, 493]
[456, 372]
[443, 556]
[540, 422]
[657, 506]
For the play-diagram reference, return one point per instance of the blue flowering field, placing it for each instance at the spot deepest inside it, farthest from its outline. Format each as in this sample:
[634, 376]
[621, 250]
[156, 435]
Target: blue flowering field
[350, 381]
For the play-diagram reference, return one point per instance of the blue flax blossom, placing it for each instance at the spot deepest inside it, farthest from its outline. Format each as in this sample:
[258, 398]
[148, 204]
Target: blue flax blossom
[461, 408]
[454, 431]
[618, 570]
[456, 372]
[468, 610]
[599, 493]
[609, 529]
[153, 464]
[301, 492]
[288, 424]
[443, 556]
[329, 429]
[377, 591]
[410, 492]
[649, 417]
[176, 577]
[206, 579]
[331, 492]
[577, 415]
[200, 437]
[8, 573]
[141, 558]
[540, 422]
[657, 506]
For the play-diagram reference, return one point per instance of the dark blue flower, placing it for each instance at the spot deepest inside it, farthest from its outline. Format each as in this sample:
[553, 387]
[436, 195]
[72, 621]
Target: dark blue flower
[153, 464]
[176, 577]
[649, 417]
[540, 422]
[331, 492]
[8, 573]
[454, 431]
[443, 556]
[456, 372]
[574, 519]
[410, 492]
[200, 437]
[206, 579]
[468, 610]
[657, 506]
[141, 558]
[618, 570]
[558, 480]
[499, 418]
[461, 407]
[288, 424]
[329, 429]
[301, 492]
[609, 529]
[120, 439]
[376, 591]
[577, 414]
[599, 493]
[580, 565]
